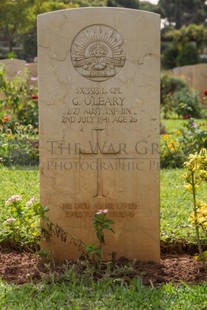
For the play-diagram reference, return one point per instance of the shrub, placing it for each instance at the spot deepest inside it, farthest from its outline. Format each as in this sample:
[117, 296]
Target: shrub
[177, 98]
[20, 147]
[18, 120]
[193, 137]
[169, 56]
[186, 103]
[175, 148]
[20, 222]
[188, 55]
[18, 99]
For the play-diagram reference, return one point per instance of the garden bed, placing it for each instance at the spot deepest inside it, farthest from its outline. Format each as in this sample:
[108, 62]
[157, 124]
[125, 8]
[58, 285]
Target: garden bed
[20, 268]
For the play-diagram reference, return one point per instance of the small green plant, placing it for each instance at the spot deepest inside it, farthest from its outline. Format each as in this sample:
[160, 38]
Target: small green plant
[11, 55]
[172, 154]
[196, 174]
[100, 223]
[89, 251]
[176, 147]
[19, 148]
[20, 223]
[194, 138]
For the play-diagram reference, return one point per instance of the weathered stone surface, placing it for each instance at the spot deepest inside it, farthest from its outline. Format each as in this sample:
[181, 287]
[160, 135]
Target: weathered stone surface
[99, 126]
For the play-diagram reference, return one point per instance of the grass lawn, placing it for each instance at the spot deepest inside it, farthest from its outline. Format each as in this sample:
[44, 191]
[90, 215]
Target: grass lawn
[176, 206]
[171, 125]
[75, 292]
[78, 293]
[23, 182]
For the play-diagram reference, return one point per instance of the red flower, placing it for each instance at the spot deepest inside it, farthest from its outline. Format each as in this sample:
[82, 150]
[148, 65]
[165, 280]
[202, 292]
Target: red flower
[6, 118]
[205, 93]
[187, 116]
[34, 97]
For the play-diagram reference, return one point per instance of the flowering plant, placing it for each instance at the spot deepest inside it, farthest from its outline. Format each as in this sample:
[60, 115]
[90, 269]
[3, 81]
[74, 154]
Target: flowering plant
[16, 100]
[196, 174]
[172, 154]
[21, 222]
[18, 148]
[178, 99]
[18, 119]
[100, 223]
[176, 147]
[200, 218]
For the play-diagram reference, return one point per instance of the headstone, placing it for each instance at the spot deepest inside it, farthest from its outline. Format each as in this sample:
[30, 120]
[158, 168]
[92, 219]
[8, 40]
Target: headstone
[99, 88]
[195, 75]
[185, 72]
[200, 78]
[13, 67]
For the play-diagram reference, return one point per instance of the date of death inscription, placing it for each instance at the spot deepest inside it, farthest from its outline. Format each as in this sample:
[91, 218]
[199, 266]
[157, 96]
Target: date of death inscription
[98, 105]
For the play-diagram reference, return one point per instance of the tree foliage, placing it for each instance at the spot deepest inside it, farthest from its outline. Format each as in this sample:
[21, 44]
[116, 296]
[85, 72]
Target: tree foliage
[188, 55]
[18, 20]
[147, 6]
[184, 45]
[87, 3]
[15, 20]
[190, 33]
[132, 4]
[183, 12]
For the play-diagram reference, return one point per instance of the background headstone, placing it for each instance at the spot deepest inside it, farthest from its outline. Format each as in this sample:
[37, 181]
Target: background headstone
[18, 68]
[195, 75]
[99, 87]
[13, 67]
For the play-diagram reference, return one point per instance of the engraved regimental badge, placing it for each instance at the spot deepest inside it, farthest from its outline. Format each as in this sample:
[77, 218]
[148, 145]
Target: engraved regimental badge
[98, 52]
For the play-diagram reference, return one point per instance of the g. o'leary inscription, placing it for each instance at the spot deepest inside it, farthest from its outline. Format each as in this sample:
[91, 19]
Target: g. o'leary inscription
[99, 105]
[97, 52]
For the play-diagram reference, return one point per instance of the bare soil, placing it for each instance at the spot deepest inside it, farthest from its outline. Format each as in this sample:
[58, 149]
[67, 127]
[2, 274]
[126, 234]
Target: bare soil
[22, 267]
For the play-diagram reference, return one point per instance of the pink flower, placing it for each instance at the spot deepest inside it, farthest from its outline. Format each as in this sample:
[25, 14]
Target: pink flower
[13, 198]
[34, 78]
[9, 221]
[194, 125]
[102, 211]
[27, 65]
[30, 202]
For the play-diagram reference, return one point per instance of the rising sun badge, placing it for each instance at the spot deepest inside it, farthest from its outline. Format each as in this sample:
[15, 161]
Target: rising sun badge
[98, 52]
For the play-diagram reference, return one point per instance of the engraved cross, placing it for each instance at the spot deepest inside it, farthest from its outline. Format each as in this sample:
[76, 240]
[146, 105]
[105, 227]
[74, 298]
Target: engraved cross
[100, 154]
